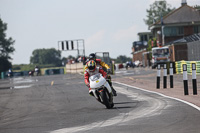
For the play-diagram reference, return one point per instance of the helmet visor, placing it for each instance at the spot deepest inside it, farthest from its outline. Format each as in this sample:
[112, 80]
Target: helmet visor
[91, 68]
[93, 58]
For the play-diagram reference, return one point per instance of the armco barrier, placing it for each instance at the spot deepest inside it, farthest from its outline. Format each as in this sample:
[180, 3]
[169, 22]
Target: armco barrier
[179, 66]
[53, 70]
[2, 75]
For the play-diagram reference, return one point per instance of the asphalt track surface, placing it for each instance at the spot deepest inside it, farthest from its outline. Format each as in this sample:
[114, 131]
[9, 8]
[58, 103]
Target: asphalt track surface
[61, 104]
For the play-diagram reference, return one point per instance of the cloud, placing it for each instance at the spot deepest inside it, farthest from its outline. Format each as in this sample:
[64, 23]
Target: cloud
[126, 34]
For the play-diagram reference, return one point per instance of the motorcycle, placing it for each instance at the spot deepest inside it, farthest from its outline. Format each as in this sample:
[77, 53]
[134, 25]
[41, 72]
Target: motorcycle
[10, 73]
[101, 90]
[36, 73]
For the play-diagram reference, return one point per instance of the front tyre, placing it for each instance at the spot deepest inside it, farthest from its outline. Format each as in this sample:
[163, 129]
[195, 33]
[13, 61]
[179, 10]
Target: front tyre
[105, 99]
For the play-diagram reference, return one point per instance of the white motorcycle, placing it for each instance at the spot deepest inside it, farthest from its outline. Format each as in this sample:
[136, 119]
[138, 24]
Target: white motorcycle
[101, 90]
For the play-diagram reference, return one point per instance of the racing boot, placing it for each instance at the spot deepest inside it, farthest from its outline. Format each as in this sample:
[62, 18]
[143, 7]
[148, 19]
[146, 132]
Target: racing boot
[114, 91]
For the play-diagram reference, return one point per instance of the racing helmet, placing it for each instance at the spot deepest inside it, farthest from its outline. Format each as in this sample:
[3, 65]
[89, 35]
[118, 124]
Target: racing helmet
[91, 65]
[92, 56]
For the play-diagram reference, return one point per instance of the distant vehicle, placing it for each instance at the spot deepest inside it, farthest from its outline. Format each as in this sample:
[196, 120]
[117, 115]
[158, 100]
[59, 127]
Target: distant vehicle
[121, 66]
[31, 73]
[37, 71]
[10, 73]
[137, 63]
[160, 55]
[130, 64]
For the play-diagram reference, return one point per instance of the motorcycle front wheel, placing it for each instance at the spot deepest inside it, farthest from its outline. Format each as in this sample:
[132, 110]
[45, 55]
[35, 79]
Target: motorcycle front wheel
[105, 99]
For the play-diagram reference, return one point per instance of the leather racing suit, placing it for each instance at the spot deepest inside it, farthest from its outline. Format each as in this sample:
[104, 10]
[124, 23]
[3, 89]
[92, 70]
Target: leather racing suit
[88, 73]
[102, 64]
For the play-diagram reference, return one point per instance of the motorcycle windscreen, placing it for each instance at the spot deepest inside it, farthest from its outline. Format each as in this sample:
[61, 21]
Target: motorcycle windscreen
[97, 83]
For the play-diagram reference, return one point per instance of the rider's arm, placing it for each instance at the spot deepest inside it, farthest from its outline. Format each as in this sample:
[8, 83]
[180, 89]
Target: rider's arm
[102, 72]
[86, 76]
[86, 67]
[103, 64]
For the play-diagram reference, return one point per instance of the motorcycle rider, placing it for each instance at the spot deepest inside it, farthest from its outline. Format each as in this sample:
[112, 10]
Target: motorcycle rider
[37, 70]
[102, 64]
[92, 69]
[10, 73]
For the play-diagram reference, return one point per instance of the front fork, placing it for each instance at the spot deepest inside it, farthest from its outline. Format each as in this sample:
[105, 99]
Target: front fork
[97, 95]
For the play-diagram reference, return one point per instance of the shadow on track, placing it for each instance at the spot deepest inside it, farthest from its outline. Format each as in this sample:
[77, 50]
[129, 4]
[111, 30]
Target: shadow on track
[125, 102]
[127, 105]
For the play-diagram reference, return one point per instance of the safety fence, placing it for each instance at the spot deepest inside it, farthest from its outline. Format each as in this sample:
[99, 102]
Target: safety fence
[179, 66]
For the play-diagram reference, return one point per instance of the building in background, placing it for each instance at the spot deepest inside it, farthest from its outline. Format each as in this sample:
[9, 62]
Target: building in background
[182, 22]
[139, 47]
[181, 30]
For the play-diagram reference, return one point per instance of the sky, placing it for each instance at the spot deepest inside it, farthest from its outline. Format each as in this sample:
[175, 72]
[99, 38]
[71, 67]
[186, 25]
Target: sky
[104, 25]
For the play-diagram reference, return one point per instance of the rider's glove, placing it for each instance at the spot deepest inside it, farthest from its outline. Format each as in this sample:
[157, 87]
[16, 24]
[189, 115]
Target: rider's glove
[88, 85]
[108, 71]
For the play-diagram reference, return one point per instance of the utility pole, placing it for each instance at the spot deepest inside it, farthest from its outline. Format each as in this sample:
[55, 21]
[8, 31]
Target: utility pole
[163, 36]
[162, 29]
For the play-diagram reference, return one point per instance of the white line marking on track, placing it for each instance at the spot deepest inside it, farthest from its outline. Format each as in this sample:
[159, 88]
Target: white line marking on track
[192, 105]
[122, 117]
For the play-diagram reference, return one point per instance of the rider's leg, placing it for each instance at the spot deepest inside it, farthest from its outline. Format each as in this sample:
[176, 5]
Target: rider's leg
[110, 83]
[90, 92]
